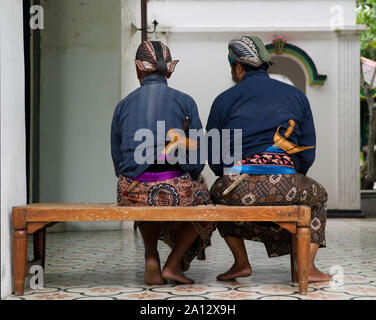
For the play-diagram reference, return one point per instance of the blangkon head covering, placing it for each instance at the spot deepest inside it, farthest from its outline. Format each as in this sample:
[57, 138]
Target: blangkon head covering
[154, 56]
[248, 50]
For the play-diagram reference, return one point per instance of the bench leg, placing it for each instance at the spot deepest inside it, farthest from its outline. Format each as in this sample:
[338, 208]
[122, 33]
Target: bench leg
[19, 260]
[303, 240]
[39, 238]
[294, 274]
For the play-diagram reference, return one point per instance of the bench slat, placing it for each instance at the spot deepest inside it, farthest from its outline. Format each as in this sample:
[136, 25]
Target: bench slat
[111, 212]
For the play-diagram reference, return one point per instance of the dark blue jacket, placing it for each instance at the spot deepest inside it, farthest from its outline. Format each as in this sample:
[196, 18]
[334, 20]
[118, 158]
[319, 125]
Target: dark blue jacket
[258, 105]
[153, 101]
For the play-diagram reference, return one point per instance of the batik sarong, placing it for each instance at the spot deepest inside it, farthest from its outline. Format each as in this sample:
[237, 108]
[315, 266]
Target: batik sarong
[272, 190]
[179, 191]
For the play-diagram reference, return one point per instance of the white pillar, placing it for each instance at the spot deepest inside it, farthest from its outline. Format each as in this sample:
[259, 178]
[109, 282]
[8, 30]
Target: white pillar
[130, 39]
[348, 115]
[13, 159]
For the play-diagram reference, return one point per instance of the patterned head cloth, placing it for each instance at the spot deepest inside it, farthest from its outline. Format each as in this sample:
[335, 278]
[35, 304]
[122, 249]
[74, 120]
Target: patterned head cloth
[248, 50]
[154, 56]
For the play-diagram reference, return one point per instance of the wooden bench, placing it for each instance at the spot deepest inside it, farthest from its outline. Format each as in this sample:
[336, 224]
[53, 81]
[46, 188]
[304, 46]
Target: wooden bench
[35, 218]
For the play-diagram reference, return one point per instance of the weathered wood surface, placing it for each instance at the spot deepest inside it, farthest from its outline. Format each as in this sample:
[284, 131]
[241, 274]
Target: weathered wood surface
[54, 212]
[35, 218]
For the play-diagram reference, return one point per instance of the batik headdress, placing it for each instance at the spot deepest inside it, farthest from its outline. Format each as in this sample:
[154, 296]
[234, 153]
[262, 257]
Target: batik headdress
[154, 56]
[248, 50]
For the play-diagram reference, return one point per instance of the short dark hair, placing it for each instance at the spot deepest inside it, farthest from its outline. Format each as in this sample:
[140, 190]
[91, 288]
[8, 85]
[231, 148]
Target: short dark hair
[149, 73]
[265, 66]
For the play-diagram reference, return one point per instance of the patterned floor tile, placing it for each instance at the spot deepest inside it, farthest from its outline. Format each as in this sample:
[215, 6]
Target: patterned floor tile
[108, 265]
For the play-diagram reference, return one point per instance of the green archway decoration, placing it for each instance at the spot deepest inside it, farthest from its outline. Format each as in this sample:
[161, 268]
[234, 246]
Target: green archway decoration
[314, 78]
[362, 94]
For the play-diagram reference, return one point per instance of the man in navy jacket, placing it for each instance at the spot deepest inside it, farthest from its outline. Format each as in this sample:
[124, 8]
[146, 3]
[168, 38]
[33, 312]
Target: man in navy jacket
[139, 126]
[258, 105]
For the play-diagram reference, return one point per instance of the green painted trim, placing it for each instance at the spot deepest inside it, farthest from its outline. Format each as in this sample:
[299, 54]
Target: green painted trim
[314, 78]
[362, 94]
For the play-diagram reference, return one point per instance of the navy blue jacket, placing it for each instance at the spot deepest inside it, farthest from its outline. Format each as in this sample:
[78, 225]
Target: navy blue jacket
[259, 105]
[153, 101]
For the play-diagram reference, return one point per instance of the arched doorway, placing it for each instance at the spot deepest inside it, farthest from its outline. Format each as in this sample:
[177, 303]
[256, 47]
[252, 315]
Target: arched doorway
[289, 71]
[294, 56]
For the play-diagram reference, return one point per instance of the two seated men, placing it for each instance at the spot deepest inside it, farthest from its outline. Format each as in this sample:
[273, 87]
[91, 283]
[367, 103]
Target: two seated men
[264, 174]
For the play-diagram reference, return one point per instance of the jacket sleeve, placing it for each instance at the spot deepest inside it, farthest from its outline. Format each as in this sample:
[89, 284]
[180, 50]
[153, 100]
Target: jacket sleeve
[115, 144]
[214, 152]
[307, 138]
[195, 167]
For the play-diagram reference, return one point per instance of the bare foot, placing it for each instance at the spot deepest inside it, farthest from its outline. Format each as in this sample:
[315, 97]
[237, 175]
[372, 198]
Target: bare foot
[236, 271]
[175, 274]
[153, 272]
[315, 275]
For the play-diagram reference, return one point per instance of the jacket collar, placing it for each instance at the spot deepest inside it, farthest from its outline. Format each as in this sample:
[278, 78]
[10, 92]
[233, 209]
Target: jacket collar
[154, 78]
[260, 73]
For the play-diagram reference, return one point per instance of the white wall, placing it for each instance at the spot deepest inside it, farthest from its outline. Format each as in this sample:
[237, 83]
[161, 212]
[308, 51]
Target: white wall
[256, 13]
[13, 164]
[80, 88]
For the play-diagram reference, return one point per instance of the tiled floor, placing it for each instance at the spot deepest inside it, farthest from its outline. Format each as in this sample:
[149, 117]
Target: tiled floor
[109, 265]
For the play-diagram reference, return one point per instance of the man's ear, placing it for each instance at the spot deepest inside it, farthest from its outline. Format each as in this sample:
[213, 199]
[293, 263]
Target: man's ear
[238, 67]
[139, 75]
[138, 72]
[239, 71]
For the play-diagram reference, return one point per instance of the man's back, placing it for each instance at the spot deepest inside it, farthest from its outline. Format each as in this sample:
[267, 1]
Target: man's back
[259, 105]
[154, 101]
